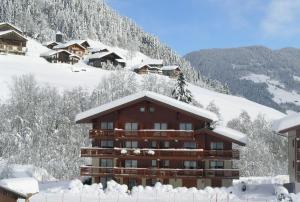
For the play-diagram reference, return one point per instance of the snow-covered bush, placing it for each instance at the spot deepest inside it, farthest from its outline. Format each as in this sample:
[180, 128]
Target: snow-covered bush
[123, 151]
[137, 151]
[150, 152]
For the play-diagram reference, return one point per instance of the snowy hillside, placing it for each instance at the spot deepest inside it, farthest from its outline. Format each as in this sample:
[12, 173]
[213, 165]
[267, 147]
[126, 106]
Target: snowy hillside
[64, 76]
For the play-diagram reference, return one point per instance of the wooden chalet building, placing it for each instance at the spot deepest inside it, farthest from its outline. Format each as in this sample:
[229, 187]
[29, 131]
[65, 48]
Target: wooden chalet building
[147, 137]
[289, 126]
[12, 40]
[72, 47]
[51, 44]
[60, 56]
[141, 69]
[100, 59]
[172, 71]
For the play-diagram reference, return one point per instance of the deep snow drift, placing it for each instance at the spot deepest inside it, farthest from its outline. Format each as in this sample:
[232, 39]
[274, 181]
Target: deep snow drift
[257, 189]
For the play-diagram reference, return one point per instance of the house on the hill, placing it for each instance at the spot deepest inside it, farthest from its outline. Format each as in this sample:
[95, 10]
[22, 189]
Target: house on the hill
[141, 69]
[72, 47]
[12, 40]
[60, 56]
[5, 26]
[153, 62]
[103, 58]
[172, 71]
[146, 138]
[289, 126]
[17, 188]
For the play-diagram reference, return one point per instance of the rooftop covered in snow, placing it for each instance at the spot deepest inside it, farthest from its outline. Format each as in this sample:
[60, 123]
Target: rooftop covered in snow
[67, 44]
[87, 116]
[287, 123]
[23, 186]
[234, 135]
[170, 67]
[52, 52]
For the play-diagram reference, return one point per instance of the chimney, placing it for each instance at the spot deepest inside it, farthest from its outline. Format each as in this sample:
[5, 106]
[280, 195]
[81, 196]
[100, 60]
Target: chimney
[59, 37]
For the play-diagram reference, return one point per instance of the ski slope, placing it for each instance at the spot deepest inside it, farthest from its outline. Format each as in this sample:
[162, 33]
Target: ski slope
[66, 77]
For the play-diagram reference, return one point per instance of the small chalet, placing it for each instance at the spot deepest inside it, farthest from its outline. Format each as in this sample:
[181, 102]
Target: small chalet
[60, 56]
[102, 58]
[146, 138]
[12, 40]
[17, 188]
[289, 126]
[172, 71]
[72, 47]
[141, 69]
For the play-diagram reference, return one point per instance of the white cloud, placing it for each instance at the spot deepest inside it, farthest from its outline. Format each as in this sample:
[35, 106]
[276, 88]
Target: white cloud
[282, 19]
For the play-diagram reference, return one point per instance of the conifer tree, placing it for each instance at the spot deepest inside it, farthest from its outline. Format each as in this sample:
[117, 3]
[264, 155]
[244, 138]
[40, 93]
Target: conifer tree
[181, 92]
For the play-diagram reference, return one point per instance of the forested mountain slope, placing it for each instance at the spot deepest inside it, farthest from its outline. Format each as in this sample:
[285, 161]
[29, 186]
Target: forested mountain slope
[269, 77]
[81, 19]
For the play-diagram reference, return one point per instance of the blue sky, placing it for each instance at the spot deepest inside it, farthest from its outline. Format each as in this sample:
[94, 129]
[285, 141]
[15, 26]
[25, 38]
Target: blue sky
[188, 25]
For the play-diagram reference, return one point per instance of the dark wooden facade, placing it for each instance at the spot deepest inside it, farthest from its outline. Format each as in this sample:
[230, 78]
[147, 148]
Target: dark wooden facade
[173, 73]
[4, 26]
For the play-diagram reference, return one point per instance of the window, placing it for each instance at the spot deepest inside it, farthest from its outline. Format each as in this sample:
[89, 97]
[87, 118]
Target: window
[216, 164]
[131, 144]
[166, 144]
[217, 145]
[142, 109]
[166, 163]
[185, 126]
[189, 145]
[160, 126]
[108, 163]
[190, 164]
[153, 163]
[151, 109]
[131, 126]
[130, 163]
[107, 143]
[107, 125]
[153, 144]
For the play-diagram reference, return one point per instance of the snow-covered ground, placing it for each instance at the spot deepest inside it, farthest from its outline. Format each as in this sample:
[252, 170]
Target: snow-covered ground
[277, 89]
[64, 76]
[257, 189]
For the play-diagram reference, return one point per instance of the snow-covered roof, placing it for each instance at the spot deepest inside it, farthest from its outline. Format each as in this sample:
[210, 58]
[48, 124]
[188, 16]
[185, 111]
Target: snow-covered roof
[231, 134]
[287, 123]
[150, 61]
[52, 52]
[67, 44]
[7, 23]
[139, 66]
[102, 54]
[47, 43]
[23, 186]
[84, 117]
[2, 33]
[170, 67]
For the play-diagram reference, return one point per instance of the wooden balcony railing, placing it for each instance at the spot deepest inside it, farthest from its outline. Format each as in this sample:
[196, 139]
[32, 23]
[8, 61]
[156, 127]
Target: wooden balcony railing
[159, 172]
[160, 153]
[144, 134]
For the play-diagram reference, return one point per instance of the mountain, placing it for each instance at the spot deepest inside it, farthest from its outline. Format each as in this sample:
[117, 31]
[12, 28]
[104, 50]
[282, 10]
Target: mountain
[269, 77]
[67, 77]
[93, 19]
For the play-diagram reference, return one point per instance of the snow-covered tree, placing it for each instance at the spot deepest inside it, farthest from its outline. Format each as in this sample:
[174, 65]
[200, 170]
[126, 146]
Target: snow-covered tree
[181, 92]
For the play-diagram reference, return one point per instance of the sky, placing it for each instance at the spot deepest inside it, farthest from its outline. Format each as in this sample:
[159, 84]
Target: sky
[190, 25]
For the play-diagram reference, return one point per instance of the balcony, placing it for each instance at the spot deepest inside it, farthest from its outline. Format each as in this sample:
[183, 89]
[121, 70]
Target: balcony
[186, 154]
[159, 172]
[144, 134]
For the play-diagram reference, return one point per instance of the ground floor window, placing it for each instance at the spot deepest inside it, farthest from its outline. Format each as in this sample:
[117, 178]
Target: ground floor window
[104, 180]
